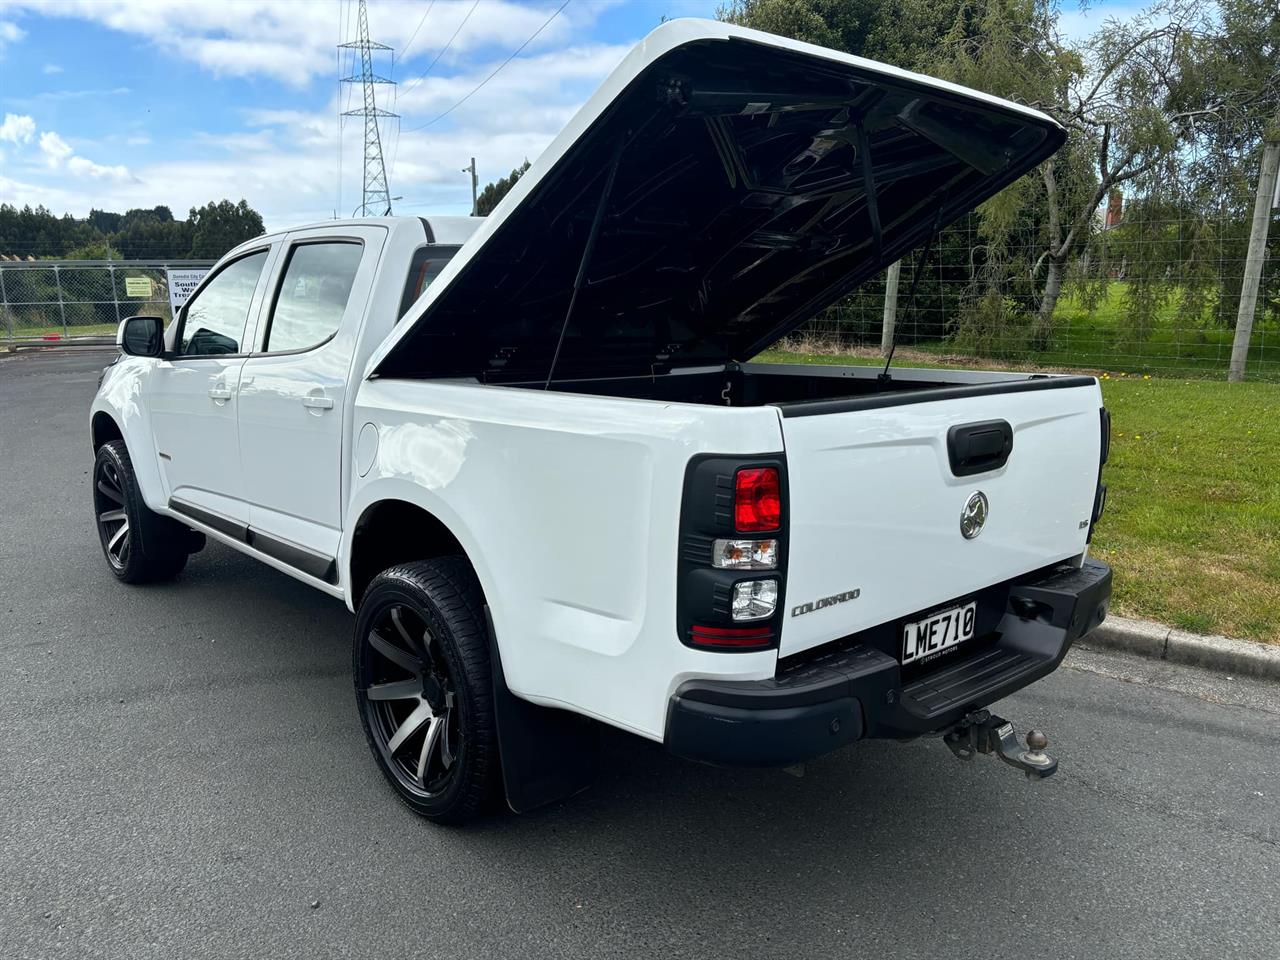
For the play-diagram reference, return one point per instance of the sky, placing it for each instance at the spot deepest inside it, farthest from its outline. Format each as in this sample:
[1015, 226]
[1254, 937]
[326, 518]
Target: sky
[114, 104]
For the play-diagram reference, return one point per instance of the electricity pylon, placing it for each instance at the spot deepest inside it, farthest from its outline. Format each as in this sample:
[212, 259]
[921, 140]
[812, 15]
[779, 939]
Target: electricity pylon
[376, 198]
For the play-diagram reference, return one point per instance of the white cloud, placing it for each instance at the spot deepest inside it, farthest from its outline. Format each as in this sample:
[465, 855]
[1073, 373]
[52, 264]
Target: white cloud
[54, 148]
[17, 128]
[60, 155]
[293, 41]
[284, 162]
[96, 171]
[10, 33]
[50, 68]
[80, 94]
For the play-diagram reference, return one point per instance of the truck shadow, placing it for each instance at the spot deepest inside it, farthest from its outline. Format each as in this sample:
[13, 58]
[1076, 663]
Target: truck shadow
[869, 826]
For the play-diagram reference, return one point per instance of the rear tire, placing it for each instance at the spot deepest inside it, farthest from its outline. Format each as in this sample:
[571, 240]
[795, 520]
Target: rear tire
[424, 688]
[139, 545]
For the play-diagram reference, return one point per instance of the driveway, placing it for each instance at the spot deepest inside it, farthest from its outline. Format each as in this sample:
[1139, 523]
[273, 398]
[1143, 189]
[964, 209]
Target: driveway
[182, 774]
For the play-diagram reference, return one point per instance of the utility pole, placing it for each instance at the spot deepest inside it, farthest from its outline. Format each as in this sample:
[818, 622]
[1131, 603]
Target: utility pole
[376, 195]
[1263, 201]
[475, 183]
[890, 307]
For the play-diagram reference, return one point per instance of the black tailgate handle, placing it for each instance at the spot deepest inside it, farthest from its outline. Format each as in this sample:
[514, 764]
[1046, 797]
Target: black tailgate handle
[979, 447]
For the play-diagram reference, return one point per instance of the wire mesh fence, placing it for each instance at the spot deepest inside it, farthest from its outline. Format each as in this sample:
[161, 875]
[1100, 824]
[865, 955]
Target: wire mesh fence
[69, 299]
[1153, 290]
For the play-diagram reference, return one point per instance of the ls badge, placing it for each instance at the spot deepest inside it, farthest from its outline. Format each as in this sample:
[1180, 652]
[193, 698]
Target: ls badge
[974, 515]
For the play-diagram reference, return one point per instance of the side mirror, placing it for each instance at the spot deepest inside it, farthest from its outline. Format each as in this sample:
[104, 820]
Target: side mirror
[141, 336]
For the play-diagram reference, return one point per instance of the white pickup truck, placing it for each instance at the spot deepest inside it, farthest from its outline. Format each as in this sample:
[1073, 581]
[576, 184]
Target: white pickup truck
[528, 451]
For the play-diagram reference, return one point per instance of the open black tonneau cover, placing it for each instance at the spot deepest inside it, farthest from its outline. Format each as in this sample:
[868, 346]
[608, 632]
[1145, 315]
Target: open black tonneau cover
[736, 184]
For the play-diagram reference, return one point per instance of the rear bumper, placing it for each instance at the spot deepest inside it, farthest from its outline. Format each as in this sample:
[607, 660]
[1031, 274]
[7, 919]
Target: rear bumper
[851, 690]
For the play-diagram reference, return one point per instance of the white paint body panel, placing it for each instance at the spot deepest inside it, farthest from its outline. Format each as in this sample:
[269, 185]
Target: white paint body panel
[196, 434]
[291, 454]
[875, 507]
[568, 507]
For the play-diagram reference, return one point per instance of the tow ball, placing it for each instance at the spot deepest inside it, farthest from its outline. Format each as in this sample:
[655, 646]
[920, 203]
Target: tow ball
[982, 732]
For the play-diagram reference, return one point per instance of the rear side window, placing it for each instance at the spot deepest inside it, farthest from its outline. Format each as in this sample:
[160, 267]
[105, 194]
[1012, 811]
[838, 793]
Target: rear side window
[313, 295]
[426, 266]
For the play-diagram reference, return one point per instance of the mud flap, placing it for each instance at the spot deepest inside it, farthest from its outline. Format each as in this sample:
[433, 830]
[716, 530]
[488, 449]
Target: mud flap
[547, 754]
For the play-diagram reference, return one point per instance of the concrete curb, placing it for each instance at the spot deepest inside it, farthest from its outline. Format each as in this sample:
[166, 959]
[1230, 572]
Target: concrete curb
[1158, 642]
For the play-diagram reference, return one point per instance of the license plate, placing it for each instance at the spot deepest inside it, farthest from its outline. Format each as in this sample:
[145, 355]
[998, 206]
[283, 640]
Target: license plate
[927, 638]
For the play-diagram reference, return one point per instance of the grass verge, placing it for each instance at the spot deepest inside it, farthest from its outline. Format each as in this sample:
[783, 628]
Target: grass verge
[1192, 526]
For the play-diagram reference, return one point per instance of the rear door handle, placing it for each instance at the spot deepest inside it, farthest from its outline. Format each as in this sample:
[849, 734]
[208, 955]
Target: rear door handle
[219, 393]
[317, 403]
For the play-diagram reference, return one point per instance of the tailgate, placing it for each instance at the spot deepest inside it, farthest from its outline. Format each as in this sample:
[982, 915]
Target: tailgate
[875, 506]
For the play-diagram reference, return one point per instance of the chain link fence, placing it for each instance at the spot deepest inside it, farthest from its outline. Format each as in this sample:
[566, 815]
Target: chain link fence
[74, 300]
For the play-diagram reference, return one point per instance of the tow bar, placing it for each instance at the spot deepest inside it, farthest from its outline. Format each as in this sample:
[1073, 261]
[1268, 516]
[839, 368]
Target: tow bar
[982, 732]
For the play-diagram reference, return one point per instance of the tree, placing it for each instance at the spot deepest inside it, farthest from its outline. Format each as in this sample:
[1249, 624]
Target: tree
[902, 32]
[152, 238]
[139, 234]
[494, 192]
[217, 227]
[1121, 96]
[1241, 81]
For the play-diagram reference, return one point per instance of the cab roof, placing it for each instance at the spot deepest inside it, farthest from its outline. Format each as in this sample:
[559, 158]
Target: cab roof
[444, 230]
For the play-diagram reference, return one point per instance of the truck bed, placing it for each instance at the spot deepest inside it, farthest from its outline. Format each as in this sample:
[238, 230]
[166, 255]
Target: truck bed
[804, 389]
[880, 471]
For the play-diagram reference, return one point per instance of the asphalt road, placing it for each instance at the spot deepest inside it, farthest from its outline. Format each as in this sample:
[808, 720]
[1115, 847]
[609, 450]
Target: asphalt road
[182, 774]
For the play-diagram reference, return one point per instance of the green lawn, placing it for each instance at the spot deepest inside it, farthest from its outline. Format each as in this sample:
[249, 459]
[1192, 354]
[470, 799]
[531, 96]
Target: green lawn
[35, 333]
[1178, 345]
[1192, 526]
[1193, 520]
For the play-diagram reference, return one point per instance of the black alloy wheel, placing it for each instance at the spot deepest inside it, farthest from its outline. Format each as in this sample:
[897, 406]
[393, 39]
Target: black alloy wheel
[412, 707]
[422, 680]
[112, 517]
[140, 545]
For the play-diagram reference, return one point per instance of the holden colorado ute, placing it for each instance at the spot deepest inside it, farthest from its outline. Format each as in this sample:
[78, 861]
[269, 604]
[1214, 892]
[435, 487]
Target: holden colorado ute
[530, 453]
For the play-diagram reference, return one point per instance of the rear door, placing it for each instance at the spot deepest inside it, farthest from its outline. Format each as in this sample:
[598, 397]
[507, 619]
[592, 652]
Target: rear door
[876, 506]
[294, 389]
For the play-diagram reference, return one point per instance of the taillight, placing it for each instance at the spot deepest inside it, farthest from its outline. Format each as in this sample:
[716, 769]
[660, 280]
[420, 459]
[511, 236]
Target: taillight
[757, 500]
[731, 636]
[732, 530]
[745, 554]
[754, 600]
[1104, 454]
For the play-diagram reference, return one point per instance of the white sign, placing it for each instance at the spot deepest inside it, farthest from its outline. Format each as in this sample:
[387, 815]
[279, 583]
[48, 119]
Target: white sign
[181, 285]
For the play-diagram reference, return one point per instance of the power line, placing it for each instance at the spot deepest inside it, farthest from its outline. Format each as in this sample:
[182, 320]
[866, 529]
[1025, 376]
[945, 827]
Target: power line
[395, 149]
[404, 58]
[413, 83]
[404, 51]
[476, 89]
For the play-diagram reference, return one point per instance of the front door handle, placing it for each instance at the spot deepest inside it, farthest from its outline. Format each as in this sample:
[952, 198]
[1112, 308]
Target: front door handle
[219, 392]
[317, 403]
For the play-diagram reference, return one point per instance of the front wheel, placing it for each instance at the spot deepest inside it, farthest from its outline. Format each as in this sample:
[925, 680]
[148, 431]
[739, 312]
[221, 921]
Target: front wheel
[139, 544]
[424, 689]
